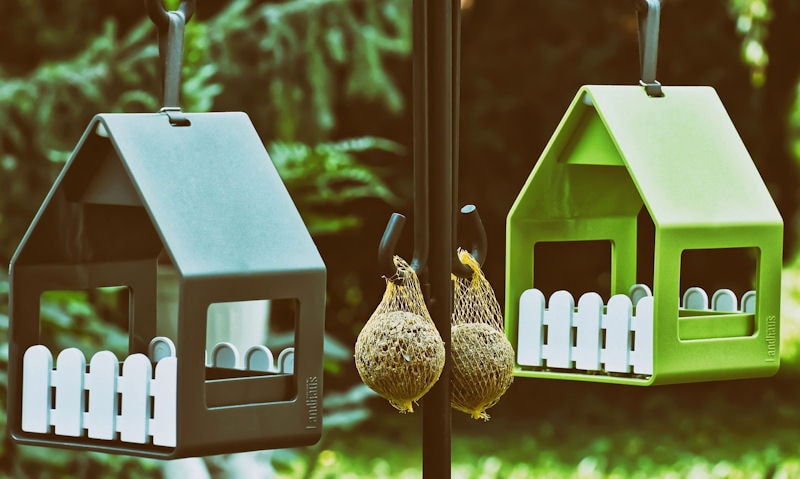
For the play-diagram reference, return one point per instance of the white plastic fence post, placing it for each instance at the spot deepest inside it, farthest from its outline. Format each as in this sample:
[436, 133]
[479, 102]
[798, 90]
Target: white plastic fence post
[101, 381]
[617, 323]
[748, 302]
[724, 300]
[134, 385]
[587, 320]
[37, 368]
[286, 361]
[558, 319]
[165, 402]
[695, 298]
[529, 328]
[642, 325]
[639, 291]
[225, 355]
[160, 347]
[259, 358]
[68, 381]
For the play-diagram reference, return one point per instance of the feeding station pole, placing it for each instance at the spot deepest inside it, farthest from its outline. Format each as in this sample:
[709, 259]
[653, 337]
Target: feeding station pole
[436, 23]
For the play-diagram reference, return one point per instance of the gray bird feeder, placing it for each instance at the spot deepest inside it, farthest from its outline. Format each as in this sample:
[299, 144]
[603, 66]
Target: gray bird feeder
[201, 190]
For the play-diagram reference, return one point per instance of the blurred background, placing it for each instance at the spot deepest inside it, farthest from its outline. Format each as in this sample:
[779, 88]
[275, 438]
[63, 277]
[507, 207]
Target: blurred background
[328, 85]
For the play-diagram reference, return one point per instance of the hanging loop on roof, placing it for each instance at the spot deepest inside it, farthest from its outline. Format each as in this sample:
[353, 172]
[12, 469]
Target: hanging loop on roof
[171, 27]
[648, 44]
[478, 244]
[159, 15]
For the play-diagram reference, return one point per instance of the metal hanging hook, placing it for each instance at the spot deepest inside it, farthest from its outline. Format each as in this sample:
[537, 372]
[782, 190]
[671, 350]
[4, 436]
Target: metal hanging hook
[649, 23]
[388, 247]
[478, 245]
[171, 27]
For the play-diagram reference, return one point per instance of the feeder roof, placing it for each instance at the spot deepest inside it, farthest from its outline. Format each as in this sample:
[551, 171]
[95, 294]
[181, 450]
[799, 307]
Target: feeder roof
[211, 192]
[684, 159]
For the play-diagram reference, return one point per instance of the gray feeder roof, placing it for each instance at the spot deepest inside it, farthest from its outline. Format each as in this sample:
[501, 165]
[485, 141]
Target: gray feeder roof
[211, 192]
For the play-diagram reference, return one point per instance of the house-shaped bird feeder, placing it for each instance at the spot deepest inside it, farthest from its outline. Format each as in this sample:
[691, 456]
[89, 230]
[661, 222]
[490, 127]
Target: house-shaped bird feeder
[678, 160]
[204, 193]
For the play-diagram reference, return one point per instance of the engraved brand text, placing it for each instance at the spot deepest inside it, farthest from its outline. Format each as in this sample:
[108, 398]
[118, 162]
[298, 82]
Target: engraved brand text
[772, 338]
[312, 402]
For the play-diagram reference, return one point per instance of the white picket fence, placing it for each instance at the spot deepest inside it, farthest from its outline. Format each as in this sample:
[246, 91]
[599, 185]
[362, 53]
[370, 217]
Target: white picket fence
[594, 337]
[102, 402]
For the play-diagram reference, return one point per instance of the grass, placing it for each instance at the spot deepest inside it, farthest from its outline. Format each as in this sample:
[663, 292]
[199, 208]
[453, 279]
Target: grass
[551, 429]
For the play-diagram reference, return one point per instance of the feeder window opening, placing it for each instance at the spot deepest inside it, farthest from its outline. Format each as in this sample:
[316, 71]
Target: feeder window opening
[250, 341]
[62, 311]
[575, 266]
[718, 293]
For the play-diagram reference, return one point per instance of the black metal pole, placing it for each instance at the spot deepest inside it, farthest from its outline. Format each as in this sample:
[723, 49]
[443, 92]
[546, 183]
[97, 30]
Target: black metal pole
[422, 218]
[436, 421]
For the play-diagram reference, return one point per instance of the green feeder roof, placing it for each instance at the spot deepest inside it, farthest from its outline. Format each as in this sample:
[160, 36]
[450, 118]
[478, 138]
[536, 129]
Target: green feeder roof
[683, 158]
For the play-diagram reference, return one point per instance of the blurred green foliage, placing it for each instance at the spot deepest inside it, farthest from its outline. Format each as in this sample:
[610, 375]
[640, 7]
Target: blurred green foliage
[752, 20]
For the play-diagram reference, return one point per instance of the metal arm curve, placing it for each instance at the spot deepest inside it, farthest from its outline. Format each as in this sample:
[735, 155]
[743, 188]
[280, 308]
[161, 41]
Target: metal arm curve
[479, 243]
[388, 246]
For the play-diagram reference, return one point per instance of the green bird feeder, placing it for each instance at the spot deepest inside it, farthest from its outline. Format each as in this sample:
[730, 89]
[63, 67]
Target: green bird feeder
[617, 152]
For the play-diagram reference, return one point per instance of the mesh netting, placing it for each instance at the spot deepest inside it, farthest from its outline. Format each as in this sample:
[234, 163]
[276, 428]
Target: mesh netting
[399, 353]
[482, 357]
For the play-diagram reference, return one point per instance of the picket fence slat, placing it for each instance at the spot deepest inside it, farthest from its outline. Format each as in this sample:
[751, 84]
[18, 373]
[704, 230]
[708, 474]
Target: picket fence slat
[695, 298]
[641, 356]
[164, 387]
[529, 328]
[724, 300]
[259, 358]
[286, 361]
[638, 292]
[134, 385]
[160, 347]
[558, 319]
[225, 355]
[588, 341]
[36, 382]
[617, 323]
[101, 418]
[68, 380]
[748, 302]
[554, 334]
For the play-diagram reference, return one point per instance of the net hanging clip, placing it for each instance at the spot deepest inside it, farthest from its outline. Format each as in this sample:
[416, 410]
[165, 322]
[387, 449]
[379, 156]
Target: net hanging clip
[394, 228]
[171, 27]
[648, 14]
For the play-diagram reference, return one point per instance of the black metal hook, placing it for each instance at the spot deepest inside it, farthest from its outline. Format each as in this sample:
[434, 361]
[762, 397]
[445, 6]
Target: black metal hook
[394, 228]
[171, 27]
[648, 44]
[478, 245]
[388, 246]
